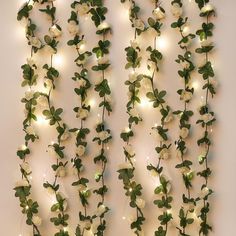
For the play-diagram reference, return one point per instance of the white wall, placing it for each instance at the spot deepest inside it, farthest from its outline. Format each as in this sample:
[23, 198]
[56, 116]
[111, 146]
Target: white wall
[14, 50]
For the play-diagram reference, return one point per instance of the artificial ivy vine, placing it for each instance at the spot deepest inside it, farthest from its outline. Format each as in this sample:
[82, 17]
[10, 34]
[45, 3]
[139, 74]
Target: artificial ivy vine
[95, 223]
[82, 112]
[127, 169]
[103, 133]
[207, 117]
[185, 93]
[23, 187]
[157, 98]
[53, 115]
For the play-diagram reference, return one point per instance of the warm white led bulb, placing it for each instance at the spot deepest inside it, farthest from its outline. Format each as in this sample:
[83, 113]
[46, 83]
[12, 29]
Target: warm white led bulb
[195, 85]
[58, 60]
[41, 120]
[162, 43]
[145, 102]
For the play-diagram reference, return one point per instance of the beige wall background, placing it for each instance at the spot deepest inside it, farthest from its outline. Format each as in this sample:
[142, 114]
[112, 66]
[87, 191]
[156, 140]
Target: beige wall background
[14, 51]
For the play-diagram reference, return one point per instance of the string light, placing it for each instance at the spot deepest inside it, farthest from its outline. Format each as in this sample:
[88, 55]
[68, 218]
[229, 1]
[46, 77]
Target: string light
[195, 85]
[58, 60]
[41, 120]
[92, 102]
[162, 43]
[127, 129]
[185, 29]
[23, 147]
[145, 102]
[169, 212]
[123, 218]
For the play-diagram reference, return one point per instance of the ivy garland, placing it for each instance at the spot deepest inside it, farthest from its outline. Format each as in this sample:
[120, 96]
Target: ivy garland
[157, 98]
[207, 117]
[82, 112]
[127, 169]
[23, 187]
[53, 115]
[187, 67]
[103, 137]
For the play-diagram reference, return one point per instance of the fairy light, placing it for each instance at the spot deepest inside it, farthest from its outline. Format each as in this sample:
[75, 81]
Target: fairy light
[162, 43]
[82, 47]
[195, 85]
[58, 60]
[41, 120]
[23, 147]
[155, 125]
[92, 102]
[130, 189]
[127, 129]
[169, 212]
[185, 29]
[145, 102]
[123, 218]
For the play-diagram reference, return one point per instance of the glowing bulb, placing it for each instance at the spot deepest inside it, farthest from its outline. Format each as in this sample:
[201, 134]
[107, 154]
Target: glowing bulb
[58, 60]
[130, 189]
[155, 124]
[169, 212]
[127, 129]
[162, 43]
[148, 158]
[27, 207]
[123, 217]
[98, 115]
[23, 147]
[65, 229]
[145, 102]
[92, 102]
[185, 29]
[41, 120]
[82, 46]
[195, 85]
[52, 142]
[31, 177]
[108, 148]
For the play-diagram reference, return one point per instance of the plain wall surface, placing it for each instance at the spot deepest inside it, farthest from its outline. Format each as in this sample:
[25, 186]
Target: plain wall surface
[14, 51]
